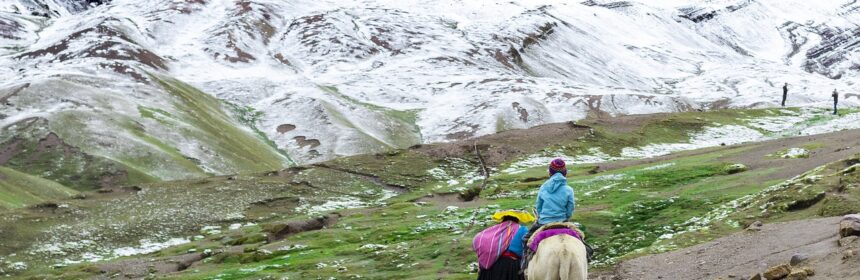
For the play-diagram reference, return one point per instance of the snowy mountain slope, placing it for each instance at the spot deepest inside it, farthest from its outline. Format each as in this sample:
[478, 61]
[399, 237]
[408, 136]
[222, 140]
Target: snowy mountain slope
[497, 72]
[51, 8]
[90, 83]
[325, 78]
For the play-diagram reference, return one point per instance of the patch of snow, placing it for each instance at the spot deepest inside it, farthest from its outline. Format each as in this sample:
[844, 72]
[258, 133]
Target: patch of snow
[710, 137]
[659, 166]
[532, 161]
[210, 230]
[18, 266]
[607, 187]
[373, 247]
[438, 174]
[776, 124]
[796, 153]
[594, 155]
[386, 194]
[849, 121]
[259, 268]
[604, 177]
[292, 247]
[148, 246]
[336, 203]
[342, 202]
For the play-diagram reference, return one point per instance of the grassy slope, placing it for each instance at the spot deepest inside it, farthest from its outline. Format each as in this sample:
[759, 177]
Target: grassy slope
[625, 212]
[245, 151]
[63, 163]
[437, 244]
[82, 161]
[662, 128]
[401, 129]
[620, 223]
[19, 189]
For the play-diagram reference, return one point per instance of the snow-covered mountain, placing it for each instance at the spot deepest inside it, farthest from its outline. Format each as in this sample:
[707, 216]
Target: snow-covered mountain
[130, 82]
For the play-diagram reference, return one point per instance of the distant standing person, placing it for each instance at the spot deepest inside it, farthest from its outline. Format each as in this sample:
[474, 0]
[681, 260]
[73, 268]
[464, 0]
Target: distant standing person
[784, 94]
[835, 100]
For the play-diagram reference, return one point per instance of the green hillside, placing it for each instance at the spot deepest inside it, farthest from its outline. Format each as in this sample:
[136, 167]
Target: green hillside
[19, 189]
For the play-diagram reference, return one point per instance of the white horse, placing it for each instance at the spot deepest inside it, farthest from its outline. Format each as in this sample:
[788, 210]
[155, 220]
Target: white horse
[560, 257]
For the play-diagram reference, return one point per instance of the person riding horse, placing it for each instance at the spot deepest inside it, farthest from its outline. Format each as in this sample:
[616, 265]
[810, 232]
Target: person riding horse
[555, 201]
[555, 204]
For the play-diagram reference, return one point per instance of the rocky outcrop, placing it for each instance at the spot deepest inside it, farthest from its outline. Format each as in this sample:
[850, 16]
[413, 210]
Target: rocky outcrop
[279, 231]
[777, 272]
[736, 168]
[850, 225]
[755, 226]
[785, 272]
[797, 259]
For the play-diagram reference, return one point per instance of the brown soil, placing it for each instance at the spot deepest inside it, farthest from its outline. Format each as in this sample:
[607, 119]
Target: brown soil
[266, 207]
[626, 123]
[26, 154]
[370, 177]
[507, 145]
[284, 128]
[451, 199]
[139, 268]
[303, 141]
[10, 149]
[127, 50]
[743, 254]
[279, 232]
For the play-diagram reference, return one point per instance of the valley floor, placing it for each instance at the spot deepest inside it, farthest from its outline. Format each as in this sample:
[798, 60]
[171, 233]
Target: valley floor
[410, 214]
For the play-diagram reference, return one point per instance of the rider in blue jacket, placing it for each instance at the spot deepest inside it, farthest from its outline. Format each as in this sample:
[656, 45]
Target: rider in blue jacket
[555, 200]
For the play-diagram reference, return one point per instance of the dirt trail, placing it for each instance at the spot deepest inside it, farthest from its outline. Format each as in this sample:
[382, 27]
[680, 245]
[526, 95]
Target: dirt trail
[442, 200]
[830, 147]
[743, 254]
[369, 177]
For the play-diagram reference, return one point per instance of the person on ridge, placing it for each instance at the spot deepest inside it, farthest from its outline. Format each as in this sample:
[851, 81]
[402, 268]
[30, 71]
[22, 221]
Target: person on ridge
[835, 101]
[555, 200]
[498, 248]
[784, 94]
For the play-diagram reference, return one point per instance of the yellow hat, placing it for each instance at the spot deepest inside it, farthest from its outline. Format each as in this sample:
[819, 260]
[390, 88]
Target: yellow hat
[524, 217]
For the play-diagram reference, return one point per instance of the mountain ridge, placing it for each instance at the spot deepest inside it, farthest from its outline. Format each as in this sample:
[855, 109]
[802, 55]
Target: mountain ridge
[326, 79]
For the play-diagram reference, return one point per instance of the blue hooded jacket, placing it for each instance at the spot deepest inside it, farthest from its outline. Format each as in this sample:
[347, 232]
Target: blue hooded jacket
[555, 200]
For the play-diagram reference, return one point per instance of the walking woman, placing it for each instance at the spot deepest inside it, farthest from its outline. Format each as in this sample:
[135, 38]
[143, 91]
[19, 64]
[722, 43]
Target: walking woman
[499, 248]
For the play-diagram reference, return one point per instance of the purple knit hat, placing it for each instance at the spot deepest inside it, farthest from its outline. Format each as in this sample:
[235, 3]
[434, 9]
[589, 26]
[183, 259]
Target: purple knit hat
[557, 165]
